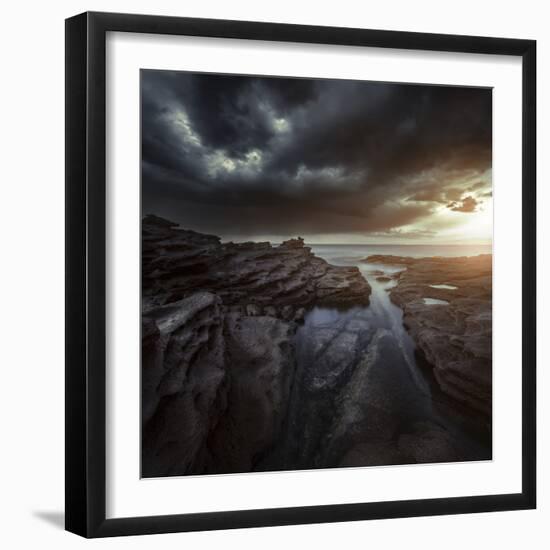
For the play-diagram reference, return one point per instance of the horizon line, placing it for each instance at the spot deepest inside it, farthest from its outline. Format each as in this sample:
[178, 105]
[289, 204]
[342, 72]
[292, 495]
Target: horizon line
[308, 243]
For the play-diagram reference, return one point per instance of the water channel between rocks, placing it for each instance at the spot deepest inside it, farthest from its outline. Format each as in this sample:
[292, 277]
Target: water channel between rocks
[360, 395]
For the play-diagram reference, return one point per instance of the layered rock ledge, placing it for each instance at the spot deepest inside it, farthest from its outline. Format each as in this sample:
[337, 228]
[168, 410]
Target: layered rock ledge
[259, 277]
[447, 305]
[218, 358]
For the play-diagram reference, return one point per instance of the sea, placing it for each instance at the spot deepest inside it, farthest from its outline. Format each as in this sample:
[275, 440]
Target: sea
[346, 254]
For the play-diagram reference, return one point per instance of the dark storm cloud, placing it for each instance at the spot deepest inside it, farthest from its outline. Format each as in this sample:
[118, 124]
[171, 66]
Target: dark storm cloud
[251, 155]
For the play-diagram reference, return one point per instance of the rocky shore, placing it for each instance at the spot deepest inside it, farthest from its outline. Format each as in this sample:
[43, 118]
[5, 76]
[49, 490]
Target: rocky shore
[447, 306]
[266, 357]
[218, 357]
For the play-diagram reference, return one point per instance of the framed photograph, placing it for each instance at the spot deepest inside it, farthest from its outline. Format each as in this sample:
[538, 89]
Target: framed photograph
[300, 274]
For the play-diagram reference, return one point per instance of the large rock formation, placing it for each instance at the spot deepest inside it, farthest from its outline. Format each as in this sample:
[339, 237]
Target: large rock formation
[447, 305]
[218, 358]
[236, 378]
[277, 280]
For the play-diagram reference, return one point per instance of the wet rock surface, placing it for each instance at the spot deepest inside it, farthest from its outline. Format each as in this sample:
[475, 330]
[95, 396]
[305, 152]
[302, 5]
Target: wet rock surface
[357, 400]
[219, 324]
[451, 326]
[258, 357]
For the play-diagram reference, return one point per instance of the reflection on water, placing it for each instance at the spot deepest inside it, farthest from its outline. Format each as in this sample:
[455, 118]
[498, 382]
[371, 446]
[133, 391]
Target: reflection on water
[387, 315]
[446, 287]
[381, 315]
[435, 302]
[320, 316]
[362, 354]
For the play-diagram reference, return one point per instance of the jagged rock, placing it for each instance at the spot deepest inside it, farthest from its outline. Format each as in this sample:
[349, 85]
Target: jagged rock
[184, 378]
[293, 243]
[178, 262]
[218, 324]
[237, 378]
[287, 313]
[270, 311]
[253, 310]
[260, 366]
[299, 314]
[427, 443]
[215, 386]
[455, 337]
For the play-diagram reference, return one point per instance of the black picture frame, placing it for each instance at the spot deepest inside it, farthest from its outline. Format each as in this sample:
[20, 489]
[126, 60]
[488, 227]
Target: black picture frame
[86, 263]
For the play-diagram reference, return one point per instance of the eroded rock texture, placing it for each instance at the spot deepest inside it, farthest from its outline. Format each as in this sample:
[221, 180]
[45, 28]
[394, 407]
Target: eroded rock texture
[358, 401]
[218, 357]
[455, 335]
[247, 276]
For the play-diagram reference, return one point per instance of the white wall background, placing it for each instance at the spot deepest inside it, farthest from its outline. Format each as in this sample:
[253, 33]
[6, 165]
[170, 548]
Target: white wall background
[32, 249]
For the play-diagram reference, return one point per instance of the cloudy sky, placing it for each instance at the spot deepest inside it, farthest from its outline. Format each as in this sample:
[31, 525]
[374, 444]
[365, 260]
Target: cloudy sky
[335, 161]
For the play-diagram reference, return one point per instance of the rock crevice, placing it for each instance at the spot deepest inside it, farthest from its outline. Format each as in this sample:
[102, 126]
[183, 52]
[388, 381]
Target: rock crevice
[218, 357]
[455, 336]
